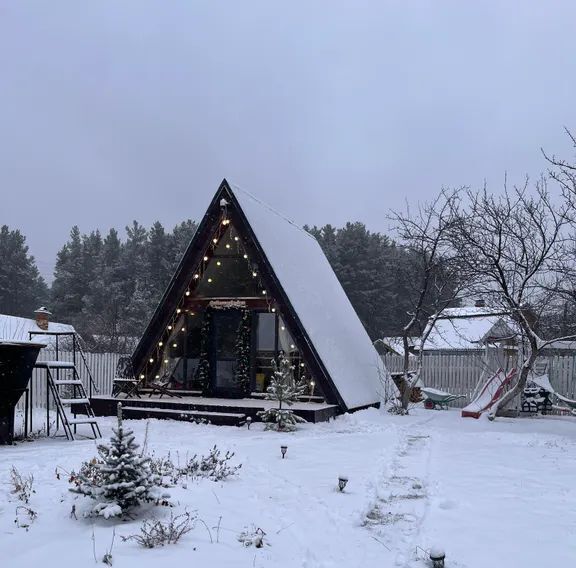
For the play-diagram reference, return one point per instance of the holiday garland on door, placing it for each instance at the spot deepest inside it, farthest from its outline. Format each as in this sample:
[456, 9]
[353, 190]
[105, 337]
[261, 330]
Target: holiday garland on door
[243, 352]
[203, 371]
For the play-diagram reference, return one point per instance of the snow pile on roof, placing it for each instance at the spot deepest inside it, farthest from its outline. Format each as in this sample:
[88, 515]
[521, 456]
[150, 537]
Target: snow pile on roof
[469, 327]
[316, 295]
[17, 329]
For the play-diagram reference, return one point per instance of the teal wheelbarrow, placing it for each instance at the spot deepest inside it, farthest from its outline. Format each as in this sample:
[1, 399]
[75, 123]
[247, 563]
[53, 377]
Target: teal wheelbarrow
[437, 399]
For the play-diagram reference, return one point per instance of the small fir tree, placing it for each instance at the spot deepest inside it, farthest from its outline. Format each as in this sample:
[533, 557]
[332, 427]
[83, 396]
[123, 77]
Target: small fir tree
[284, 389]
[120, 479]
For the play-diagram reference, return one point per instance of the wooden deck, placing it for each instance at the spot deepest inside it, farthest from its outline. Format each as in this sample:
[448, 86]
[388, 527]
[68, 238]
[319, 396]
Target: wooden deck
[220, 411]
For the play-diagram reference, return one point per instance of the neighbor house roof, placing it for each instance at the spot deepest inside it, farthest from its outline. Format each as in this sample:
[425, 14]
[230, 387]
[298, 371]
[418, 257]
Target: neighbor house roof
[469, 327]
[18, 329]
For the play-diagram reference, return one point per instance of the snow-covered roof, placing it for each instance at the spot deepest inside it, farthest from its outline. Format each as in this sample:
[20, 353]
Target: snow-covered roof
[394, 344]
[18, 329]
[320, 302]
[469, 327]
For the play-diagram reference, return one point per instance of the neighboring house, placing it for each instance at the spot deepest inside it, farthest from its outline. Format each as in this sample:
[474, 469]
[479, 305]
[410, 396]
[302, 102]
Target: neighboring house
[395, 345]
[250, 285]
[19, 329]
[471, 328]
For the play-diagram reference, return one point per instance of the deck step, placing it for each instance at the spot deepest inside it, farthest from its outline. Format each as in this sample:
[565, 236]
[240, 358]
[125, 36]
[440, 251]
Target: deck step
[68, 382]
[219, 418]
[74, 401]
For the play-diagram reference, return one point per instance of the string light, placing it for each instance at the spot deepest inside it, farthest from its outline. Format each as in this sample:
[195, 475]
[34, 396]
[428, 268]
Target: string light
[264, 292]
[178, 311]
[292, 346]
[151, 360]
[302, 365]
[219, 263]
[214, 241]
[245, 256]
[174, 344]
[282, 328]
[166, 361]
[187, 292]
[209, 279]
[170, 328]
[205, 259]
[142, 376]
[157, 377]
[254, 274]
[273, 310]
[227, 245]
[183, 329]
[160, 344]
[236, 238]
[196, 276]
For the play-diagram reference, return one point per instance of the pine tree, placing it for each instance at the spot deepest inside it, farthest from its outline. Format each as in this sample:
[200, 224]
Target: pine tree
[70, 282]
[22, 289]
[122, 479]
[283, 389]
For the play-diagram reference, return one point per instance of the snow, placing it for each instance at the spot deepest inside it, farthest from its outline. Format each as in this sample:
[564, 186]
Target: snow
[16, 328]
[488, 493]
[467, 327]
[319, 300]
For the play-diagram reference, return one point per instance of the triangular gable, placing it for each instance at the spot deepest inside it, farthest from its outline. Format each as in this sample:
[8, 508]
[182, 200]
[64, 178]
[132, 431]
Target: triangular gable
[311, 299]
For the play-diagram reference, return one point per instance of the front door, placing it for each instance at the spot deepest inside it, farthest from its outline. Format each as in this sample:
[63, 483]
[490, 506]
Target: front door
[225, 326]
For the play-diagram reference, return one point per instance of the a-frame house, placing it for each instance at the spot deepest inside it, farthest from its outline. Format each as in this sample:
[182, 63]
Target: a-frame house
[252, 284]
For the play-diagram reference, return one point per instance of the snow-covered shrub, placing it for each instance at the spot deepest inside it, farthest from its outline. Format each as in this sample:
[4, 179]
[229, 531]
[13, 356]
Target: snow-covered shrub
[120, 479]
[214, 466]
[285, 390]
[89, 471]
[164, 468]
[158, 533]
[252, 537]
[22, 486]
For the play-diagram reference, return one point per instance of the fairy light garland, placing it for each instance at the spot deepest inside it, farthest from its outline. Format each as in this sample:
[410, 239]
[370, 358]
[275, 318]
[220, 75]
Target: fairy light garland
[173, 325]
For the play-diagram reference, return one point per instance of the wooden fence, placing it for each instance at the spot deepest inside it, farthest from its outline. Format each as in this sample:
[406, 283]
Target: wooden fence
[102, 367]
[461, 371]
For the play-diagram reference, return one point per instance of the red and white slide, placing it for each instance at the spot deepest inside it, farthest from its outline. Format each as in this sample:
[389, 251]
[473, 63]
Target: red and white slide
[490, 393]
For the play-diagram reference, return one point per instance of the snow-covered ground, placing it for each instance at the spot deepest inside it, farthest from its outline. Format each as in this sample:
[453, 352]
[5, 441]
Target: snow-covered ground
[496, 494]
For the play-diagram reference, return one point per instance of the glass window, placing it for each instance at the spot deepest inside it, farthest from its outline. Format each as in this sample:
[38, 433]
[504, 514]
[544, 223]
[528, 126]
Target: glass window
[266, 332]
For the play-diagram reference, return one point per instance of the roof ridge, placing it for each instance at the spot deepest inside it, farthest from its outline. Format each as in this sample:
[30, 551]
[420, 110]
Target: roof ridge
[272, 210]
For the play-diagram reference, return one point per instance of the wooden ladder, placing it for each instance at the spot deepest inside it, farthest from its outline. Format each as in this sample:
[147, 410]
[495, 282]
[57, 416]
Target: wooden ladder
[76, 396]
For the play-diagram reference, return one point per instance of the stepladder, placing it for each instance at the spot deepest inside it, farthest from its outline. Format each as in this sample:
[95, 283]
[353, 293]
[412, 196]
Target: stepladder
[70, 399]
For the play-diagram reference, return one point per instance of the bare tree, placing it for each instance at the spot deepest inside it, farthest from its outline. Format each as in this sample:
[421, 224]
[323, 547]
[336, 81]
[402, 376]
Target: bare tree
[563, 172]
[434, 278]
[514, 248]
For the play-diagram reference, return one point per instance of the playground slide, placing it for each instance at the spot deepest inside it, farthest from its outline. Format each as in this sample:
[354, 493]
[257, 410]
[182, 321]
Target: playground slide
[492, 390]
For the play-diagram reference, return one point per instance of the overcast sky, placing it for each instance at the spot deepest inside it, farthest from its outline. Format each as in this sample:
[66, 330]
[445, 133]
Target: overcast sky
[329, 111]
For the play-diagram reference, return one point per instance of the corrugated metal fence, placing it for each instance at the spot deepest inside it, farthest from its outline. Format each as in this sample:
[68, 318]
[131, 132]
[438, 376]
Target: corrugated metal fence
[102, 366]
[461, 371]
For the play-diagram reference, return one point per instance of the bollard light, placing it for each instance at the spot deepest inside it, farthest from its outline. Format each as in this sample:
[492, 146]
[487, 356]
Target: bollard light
[342, 481]
[437, 556]
[248, 422]
[283, 449]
